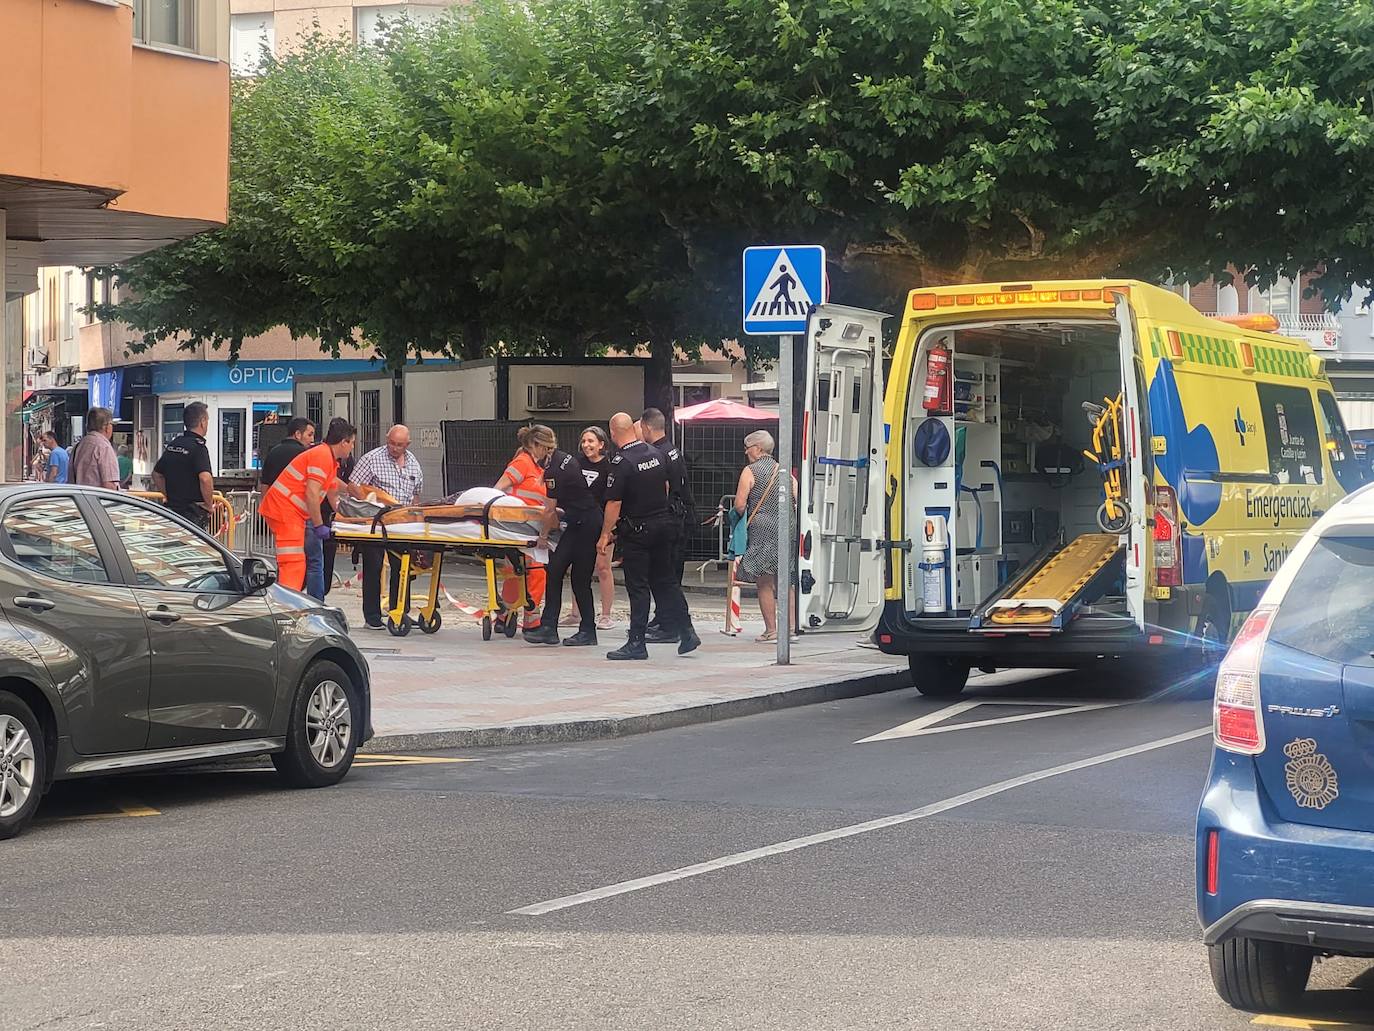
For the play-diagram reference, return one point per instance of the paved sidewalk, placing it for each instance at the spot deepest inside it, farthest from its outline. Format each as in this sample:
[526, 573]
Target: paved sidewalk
[454, 690]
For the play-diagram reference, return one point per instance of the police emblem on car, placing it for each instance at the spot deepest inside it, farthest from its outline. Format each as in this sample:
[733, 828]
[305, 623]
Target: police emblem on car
[1309, 775]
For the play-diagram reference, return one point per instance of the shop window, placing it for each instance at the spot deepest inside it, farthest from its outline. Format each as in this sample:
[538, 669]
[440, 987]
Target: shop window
[172, 424]
[1290, 429]
[370, 418]
[231, 441]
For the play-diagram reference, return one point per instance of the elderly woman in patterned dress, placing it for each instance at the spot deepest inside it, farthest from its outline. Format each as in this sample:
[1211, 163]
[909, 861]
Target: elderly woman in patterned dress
[756, 499]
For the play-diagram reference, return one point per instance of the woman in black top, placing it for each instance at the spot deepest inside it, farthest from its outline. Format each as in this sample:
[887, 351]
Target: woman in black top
[595, 459]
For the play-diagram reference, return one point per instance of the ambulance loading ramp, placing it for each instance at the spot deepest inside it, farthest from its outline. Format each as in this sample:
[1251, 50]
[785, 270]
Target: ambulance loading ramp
[1048, 598]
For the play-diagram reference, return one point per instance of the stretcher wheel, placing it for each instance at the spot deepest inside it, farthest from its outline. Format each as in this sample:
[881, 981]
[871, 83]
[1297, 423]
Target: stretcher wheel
[512, 624]
[431, 625]
[486, 627]
[1117, 524]
[399, 629]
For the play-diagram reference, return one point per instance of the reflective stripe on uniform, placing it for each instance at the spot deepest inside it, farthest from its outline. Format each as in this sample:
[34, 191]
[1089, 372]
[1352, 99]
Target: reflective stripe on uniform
[294, 472]
[295, 498]
[516, 476]
[315, 470]
[533, 495]
[291, 550]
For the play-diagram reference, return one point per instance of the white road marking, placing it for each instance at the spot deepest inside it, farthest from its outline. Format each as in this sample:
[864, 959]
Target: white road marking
[794, 844]
[925, 724]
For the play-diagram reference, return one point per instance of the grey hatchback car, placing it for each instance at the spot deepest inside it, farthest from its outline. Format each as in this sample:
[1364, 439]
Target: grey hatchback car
[130, 640]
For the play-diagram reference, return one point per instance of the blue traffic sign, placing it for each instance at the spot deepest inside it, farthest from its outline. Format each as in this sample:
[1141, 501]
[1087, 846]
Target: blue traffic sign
[781, 286]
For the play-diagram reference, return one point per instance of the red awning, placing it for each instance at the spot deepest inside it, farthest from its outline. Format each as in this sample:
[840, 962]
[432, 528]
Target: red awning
[723, 409]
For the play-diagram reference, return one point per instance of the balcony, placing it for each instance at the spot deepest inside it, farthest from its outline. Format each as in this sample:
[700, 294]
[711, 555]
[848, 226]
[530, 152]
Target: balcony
[1322, 330]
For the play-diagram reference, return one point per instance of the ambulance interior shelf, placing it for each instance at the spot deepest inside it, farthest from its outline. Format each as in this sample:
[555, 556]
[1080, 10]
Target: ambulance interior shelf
[1012, 403]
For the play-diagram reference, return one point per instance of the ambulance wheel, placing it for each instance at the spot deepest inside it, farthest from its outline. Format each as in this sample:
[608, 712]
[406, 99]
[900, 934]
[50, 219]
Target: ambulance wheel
[512, 626]
[486, 628]
[399, 629]
[937, 678]
[1115, 524]
[431, 625]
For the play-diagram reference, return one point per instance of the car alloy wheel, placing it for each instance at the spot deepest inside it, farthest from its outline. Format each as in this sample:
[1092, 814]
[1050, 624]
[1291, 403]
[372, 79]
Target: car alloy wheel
[18, 767]
[328, 723]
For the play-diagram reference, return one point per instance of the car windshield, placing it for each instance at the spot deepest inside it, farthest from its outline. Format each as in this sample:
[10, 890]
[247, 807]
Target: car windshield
[1328, 610]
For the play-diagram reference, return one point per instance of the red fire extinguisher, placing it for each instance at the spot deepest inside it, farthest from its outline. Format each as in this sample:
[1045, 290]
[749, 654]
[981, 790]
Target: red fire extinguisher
[938, 396]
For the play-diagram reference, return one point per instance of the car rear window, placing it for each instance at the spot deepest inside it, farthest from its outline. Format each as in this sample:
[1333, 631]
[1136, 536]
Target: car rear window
[1328, 609]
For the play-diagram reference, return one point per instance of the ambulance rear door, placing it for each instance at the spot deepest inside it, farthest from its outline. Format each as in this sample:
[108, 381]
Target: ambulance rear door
[1134, 535]
[843, 471]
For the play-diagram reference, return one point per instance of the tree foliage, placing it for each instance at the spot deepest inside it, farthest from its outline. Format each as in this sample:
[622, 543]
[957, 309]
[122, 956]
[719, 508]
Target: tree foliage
[563, 175]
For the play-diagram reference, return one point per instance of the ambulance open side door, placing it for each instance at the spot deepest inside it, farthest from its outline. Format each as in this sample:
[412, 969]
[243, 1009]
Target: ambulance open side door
[1133, 478]
[842, 472]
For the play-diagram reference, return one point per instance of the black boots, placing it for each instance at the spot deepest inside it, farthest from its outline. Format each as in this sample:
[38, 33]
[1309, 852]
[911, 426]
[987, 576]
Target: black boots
[658, 635]
[631, 649]
[580, 639]
[542, 635]
[688, 641]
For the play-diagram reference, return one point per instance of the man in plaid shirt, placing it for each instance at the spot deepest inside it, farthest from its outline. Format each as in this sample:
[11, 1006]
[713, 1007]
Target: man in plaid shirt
[394, 469]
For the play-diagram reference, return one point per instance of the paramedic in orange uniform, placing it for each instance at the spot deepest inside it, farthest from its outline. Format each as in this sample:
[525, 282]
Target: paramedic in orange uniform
[294, 498]
[524, 479]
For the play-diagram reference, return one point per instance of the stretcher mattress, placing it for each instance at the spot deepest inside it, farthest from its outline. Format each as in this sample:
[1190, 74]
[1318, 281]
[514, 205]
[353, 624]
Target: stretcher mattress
[478, 514]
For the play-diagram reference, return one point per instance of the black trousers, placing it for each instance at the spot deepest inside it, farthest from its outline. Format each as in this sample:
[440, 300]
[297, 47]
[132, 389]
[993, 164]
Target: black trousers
[195, 514]
[372, 582]
[678, 558]
[331, 552]
[576, 551]
[647, 561]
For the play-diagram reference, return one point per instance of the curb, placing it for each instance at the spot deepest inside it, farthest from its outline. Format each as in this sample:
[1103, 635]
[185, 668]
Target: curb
[600, 729]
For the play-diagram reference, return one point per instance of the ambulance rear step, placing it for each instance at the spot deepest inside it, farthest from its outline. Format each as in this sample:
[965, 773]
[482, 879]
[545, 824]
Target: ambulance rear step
[1055, 587]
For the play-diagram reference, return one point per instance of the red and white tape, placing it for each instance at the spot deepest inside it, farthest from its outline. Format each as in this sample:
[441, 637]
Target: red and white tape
[475, 613]
[732, 614]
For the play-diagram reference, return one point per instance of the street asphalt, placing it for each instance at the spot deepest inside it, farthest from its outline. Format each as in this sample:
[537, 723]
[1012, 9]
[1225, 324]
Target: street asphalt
[572, 886]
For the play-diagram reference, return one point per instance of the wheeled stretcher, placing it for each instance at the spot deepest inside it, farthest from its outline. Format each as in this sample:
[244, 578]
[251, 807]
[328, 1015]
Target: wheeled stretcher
[481, 524]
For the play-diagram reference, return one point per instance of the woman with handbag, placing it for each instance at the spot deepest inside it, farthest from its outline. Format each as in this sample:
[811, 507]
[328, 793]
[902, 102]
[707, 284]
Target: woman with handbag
[756, 499]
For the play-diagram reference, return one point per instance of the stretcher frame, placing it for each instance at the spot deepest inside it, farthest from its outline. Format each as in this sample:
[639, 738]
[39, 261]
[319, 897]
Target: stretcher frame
[489, 550]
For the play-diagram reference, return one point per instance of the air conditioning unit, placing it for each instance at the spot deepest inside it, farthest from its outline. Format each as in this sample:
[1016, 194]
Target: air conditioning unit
[549, 397]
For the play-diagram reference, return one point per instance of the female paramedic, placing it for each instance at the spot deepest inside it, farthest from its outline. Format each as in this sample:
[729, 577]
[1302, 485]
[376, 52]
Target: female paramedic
[568, 488]
[524, 479]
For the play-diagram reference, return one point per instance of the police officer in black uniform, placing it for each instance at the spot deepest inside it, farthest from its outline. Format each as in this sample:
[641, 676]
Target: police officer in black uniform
[182, 474]
[567, 488]
[637, 513]
[680, 503]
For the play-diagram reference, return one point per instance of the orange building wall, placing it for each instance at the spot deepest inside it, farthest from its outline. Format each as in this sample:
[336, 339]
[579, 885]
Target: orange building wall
[64, 76]
[84, 106]
[180, 137]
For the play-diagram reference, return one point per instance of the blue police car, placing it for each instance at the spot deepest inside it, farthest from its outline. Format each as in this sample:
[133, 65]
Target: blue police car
[1285, 832]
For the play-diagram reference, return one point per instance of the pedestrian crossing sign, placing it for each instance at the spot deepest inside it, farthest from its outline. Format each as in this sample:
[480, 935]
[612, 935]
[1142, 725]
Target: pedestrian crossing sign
[781, 286]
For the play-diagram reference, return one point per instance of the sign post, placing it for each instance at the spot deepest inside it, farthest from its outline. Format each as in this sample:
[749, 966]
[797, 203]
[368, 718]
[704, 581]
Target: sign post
[782, 284]
[787, 545]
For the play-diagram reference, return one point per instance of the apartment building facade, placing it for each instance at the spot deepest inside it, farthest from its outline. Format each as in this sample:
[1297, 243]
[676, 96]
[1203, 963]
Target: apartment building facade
[114, 117]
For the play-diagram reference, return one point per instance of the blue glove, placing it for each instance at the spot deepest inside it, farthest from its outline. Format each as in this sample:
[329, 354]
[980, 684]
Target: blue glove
[322, 532]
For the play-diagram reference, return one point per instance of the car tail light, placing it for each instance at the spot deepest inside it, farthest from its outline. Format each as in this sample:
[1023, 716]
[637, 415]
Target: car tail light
[1168, 539]
[1212, 860]
[1236, 721]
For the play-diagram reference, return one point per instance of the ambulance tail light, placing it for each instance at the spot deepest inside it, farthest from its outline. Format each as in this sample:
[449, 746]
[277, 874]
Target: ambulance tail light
[1168, 539]
[1237, 725]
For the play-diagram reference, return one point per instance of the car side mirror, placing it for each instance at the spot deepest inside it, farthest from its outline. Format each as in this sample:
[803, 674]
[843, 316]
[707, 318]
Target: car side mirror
[258, 574]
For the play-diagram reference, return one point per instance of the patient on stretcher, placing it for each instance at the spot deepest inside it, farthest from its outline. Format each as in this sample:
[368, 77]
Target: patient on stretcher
[478, 513]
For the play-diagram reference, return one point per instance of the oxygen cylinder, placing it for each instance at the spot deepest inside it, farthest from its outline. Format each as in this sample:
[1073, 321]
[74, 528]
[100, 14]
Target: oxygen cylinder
[934, 546]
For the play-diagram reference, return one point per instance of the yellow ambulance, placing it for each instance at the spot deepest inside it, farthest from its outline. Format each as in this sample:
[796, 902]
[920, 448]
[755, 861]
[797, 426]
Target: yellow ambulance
[1057, 474]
